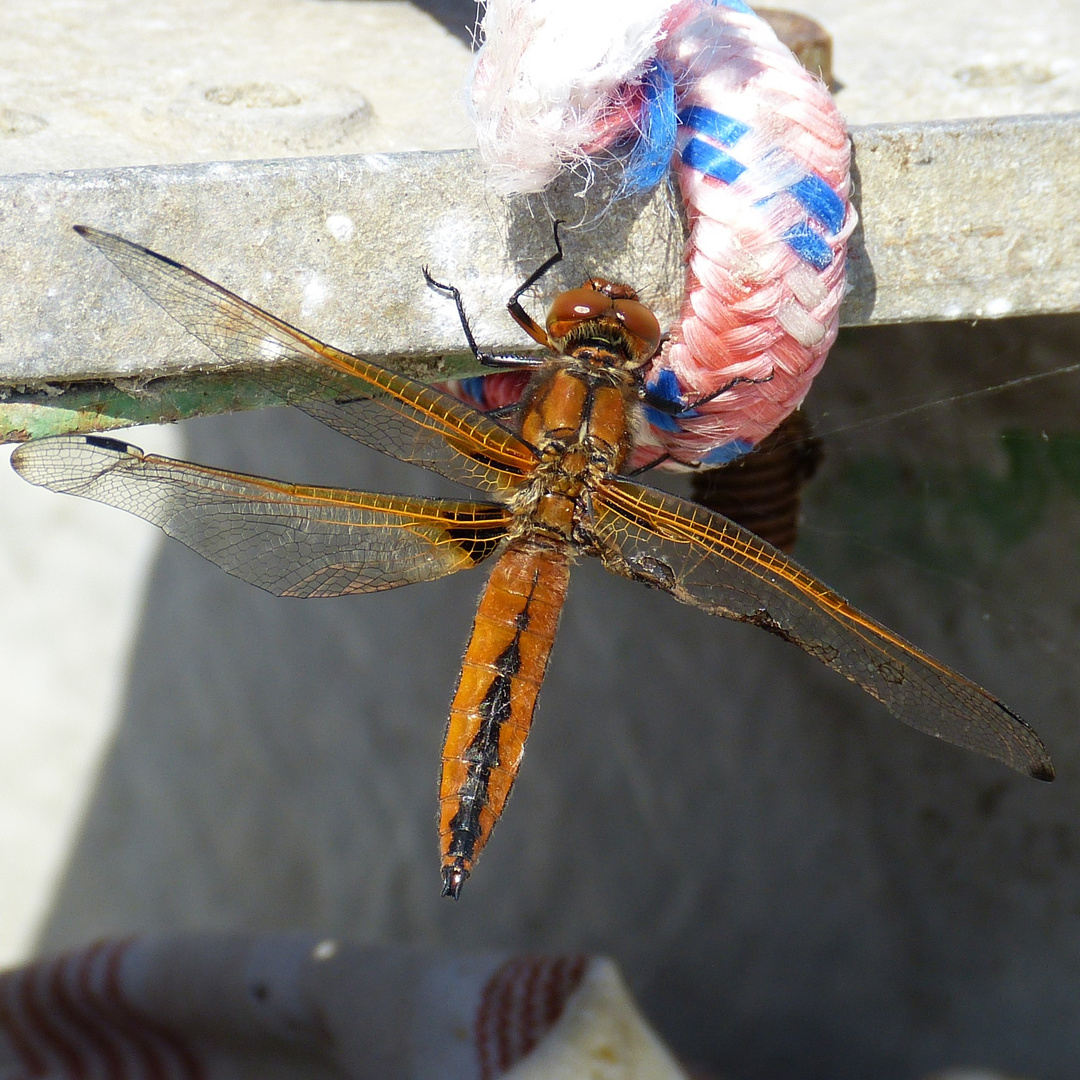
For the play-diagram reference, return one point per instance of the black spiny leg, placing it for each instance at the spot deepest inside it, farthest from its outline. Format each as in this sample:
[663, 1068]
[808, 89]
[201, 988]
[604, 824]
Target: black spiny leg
[670, 407]
[513, 305]
[648, 465]
[517, 313]
[739, 380]
[486, 359]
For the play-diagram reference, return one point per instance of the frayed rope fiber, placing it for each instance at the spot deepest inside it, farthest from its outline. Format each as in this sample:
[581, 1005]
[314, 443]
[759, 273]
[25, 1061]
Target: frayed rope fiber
[761, 156]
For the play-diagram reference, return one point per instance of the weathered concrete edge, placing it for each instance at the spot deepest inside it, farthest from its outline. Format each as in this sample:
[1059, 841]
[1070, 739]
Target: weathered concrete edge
[965, 219]
[959, 220]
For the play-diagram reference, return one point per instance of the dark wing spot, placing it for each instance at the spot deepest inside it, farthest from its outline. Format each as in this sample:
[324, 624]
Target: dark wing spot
[891, 671]
[825, 652]
[762, 618]
[652, 572]
[828, 654]
[103, 442]
[470, 449]
[478, 544]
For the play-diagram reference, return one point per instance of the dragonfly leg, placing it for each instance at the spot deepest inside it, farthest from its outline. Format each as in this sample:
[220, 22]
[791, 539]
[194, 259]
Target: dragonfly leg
[486, 359]
[658, 460]
[513, 305]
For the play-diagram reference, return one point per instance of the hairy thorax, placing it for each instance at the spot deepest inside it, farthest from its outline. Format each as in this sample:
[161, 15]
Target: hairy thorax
[576, 414]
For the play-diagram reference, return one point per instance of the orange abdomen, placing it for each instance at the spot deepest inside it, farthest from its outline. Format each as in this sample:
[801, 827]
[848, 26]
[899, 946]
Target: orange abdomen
[493, 707]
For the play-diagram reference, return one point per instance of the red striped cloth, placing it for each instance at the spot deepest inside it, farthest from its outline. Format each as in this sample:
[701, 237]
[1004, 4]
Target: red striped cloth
[202, 1007]
[278, 1007]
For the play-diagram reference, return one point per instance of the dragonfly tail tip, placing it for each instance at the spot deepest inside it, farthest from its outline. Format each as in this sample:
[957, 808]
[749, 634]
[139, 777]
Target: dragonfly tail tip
[453, 878]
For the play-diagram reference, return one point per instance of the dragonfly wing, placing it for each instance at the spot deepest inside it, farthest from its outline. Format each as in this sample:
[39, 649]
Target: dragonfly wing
[464, 456]
[287, 539]
[704, 559]
[393, 414]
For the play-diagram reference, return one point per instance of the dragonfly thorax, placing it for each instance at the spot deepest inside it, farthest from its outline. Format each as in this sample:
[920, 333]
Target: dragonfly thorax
[576, 416]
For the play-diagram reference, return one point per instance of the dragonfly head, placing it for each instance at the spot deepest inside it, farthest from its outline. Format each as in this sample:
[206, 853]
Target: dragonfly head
[606, 314]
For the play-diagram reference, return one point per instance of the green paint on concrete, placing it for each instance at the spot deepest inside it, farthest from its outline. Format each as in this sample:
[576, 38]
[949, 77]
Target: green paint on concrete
[103, 406]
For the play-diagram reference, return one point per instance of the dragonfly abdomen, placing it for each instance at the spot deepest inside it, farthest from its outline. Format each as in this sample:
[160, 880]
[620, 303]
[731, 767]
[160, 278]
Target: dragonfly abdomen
[493, 706]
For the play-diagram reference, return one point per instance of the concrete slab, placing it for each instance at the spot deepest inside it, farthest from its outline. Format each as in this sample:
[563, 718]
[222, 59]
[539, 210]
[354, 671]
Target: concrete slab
[910, 60]
[117, 82]
[961, 220]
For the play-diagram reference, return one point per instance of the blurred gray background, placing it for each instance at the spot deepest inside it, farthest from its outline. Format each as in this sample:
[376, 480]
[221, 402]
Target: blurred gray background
[795, 885]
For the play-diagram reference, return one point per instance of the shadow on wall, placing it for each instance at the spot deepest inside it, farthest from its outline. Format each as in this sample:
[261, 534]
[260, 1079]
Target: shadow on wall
[794, 884]
[458, 16]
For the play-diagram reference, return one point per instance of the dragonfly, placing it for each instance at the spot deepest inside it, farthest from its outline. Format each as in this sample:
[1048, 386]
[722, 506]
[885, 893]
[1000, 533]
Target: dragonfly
[557, 488]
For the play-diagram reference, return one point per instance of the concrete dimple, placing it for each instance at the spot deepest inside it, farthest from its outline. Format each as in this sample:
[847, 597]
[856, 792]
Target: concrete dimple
[341, 227]
[315, 293]
[15, 124]
[253, 95]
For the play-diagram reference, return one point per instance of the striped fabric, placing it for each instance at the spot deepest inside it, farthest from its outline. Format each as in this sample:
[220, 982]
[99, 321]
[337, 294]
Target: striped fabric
[208, 1007]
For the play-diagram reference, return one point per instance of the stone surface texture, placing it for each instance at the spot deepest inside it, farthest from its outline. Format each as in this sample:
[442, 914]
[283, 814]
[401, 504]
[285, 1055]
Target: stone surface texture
[104, 83]
[958, 220]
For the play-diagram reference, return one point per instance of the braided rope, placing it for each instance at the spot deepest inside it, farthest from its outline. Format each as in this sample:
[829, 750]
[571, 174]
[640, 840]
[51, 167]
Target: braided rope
[761, 156]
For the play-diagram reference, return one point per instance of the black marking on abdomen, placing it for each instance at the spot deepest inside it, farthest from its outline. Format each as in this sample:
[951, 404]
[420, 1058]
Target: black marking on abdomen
[482, 753]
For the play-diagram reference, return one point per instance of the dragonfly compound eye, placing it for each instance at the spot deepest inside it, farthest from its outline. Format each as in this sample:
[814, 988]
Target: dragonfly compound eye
[574, 307]
[599, 301]
[642, 326]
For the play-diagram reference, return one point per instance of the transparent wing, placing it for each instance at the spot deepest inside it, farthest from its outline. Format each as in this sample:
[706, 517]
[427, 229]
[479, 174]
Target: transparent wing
[704, 559]
[379, 408]
[287, 539]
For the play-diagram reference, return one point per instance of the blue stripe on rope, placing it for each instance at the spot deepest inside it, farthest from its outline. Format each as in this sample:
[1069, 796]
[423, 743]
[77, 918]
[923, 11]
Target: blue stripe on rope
[809, 246]
[724, 129]
[661, 420]
[474, 387]
[649, 159]
[707, 159]
[821, 201]
[728, 452]
[666, 387]
[735, 5]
